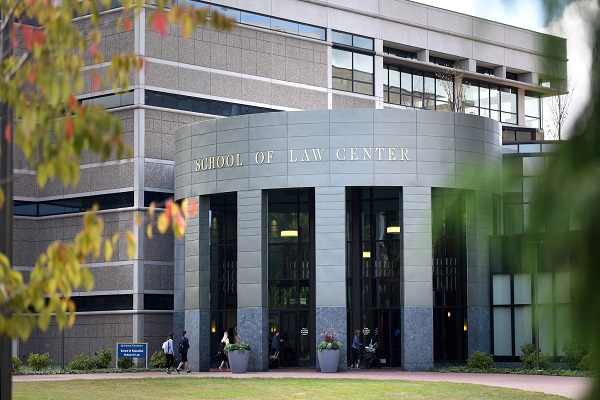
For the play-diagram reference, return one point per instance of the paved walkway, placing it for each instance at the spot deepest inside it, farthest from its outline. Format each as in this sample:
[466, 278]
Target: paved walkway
[567, 386]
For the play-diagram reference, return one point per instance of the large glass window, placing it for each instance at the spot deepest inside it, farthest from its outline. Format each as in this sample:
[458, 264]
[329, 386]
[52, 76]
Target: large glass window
[223, 266]
[374, 258]
[492, 101]
[352, 63]
[418, 89]
[533, 110]
[448, 208]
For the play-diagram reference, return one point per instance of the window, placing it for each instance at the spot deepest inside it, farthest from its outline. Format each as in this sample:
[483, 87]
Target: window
[352, 63]
[512, 76]
[485, 70]
[266, 22]
[400, 53]
[413, 88]
[533, 110]
[492, 101]
[441, 61]
[187, 103]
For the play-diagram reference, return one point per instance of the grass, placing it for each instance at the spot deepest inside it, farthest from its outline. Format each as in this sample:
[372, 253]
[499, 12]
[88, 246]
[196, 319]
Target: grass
[261, 388]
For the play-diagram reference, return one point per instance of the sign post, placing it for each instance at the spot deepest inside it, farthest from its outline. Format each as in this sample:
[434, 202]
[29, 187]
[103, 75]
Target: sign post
[132, 350]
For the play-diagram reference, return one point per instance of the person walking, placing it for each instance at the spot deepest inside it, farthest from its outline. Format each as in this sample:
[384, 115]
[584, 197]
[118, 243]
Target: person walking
[168, 349]
[355, 350]
[276, 346]
[184, 345]
[222, 353]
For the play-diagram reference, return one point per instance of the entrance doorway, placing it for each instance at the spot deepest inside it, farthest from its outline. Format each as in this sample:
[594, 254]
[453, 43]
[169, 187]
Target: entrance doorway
[298, 341]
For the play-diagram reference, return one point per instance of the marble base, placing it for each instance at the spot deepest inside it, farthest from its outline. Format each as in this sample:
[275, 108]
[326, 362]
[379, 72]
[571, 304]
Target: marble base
[197, 325]
[417, 338]
[253, 327]
[479, 329]
[328, 318]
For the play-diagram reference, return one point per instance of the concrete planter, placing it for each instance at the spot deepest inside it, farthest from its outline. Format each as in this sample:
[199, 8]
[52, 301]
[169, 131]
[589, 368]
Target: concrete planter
[329, 360]
[238, 360]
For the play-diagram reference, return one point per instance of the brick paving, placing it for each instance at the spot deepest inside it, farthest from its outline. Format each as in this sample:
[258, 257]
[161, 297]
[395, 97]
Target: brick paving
[567, 386]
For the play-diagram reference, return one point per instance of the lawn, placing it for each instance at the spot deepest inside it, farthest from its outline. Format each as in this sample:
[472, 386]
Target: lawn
[261, 388]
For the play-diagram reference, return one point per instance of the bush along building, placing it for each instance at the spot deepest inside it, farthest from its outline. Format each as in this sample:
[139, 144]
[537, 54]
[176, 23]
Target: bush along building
[341, 154]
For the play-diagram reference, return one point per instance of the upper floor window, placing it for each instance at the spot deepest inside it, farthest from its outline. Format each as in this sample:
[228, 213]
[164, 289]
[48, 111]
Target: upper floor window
[400, 53]
[489, 100]
[352, 63]
[512, 76]
[441, 61]
[485, 70]
[533, 110]
[418, 89]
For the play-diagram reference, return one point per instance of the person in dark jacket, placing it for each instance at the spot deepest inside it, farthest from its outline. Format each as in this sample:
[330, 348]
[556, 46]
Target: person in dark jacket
[276, 348]
[184, 345]
[356, 350]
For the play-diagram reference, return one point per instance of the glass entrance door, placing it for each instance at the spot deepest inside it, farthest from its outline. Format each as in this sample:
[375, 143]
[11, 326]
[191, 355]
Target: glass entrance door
[294, 330]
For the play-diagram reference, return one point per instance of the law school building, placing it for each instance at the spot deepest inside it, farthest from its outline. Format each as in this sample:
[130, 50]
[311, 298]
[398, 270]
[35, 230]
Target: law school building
[340, 185]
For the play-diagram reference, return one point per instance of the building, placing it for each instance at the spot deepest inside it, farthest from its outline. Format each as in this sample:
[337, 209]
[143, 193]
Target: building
[375, 148]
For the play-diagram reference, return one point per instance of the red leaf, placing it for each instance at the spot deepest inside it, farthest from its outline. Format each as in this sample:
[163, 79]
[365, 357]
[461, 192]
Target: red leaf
[27, 32]
[128, 24]
[72, 102]
[13, 37]
[39, 37]
[159, 22]
[8, 133]
[69, 129]
[193, 208]
[93, 50]
[32, 76]
[95, 82]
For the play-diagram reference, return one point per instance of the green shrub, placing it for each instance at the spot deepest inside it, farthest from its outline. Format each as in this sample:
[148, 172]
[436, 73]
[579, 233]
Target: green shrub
[241, 346]
[125, 363]
[528, 357]
[574, 351]
[102, 359]
[158, 360]
[586, 363]
[17, 364]
[480, 360]
[81, 363]
[38, 361]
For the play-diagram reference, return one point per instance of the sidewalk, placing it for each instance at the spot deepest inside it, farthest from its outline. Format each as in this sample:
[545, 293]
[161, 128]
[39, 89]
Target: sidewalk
[567, 386]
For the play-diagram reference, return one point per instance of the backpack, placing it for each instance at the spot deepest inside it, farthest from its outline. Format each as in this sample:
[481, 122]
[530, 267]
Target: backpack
[181, 348]
[165, 346]
[221, 347]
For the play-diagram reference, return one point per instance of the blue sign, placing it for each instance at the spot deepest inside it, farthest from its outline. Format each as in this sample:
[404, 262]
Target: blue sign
[132, 350]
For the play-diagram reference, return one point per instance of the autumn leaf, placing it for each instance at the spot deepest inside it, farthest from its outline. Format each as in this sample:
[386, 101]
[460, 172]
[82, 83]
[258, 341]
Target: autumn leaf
[193, 207]
[32, 76]
[163, 222]
[95, 82]
[159, 22]
[27, 33]
[8, 133]
[72, 102]
[128, 24]
[149, 231]
[69, 129]
[108, 250]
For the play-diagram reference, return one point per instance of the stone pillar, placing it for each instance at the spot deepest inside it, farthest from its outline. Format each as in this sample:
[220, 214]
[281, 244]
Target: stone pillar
[197, 287]
[179, 286]
[479, 230]
[252, 278]
[330, 267]
[417, 313]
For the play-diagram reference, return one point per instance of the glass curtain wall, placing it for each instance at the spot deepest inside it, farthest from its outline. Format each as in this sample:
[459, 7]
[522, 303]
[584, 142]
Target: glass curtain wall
[223, 267]
[291, 273]
[489, 100]
[374, 267]
[449, 274]
[417, 89]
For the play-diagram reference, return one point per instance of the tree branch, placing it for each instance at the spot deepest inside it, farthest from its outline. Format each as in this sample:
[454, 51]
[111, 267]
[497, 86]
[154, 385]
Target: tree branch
[24, 57]
[9, 15]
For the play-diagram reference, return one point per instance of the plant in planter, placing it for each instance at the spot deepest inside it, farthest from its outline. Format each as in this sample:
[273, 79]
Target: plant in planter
[239, 355]
[329, 352]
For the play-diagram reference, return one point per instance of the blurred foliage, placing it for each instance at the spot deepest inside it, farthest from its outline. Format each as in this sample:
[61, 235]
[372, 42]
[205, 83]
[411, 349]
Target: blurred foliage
[40, 81]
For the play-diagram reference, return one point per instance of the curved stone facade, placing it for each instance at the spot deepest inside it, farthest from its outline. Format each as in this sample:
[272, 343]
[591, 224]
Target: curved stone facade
[329, 152]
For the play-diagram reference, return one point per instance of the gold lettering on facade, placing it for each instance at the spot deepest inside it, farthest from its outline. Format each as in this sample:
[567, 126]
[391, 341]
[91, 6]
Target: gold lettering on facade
[229, 160]
[220, 161]
[354, 153]
[337, 154]
[269, 156]
[238, 160]
[197, 165]
[211, 163]
[259, 157]
[292, 158]
[404, 154]
[379, 150]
